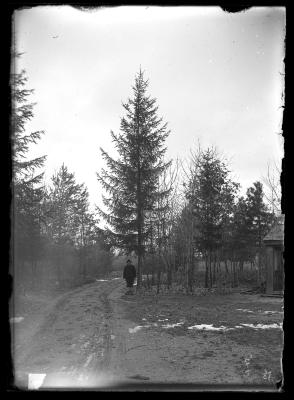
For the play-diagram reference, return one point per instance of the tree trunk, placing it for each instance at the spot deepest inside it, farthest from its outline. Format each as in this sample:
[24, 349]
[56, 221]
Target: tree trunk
[259, 268]
[139, 271]
[226, 265]
[206, 272]
[152, 277]
[33, 274]
[59, 265]
[158, 280]
[169, 275]
[191, 278]
[219, 273]
[235, 277]
[210, 272]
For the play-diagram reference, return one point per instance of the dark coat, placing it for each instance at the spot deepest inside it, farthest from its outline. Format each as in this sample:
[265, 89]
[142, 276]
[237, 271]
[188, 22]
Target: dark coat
[129, 273]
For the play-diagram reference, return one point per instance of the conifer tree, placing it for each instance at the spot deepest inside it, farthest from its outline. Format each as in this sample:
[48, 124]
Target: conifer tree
[259, 216]
[211, 194]
[131, 180]
[27, 188]
[22, 113]
[67, 203]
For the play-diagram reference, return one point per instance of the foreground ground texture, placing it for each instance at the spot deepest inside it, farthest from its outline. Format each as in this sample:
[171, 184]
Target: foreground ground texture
[99, 337]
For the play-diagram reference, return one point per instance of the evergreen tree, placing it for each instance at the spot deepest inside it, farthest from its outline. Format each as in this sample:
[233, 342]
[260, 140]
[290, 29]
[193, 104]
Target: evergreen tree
[22, 113]
[132, 179]
[260, 218]
[211, 195]
[70, 225]
[67, 206]
[240, 246]
[27, 189]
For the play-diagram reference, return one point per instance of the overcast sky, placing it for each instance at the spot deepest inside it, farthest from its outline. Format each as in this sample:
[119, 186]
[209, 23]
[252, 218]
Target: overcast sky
[216, 76]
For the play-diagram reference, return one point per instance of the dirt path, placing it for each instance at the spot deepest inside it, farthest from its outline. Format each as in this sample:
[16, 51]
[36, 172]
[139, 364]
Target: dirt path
[97, 337]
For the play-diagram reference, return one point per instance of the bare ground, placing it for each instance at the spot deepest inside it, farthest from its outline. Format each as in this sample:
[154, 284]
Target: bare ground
[98, 337]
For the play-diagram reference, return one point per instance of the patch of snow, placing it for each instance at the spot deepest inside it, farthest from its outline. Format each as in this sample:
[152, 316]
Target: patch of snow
[272, 312]
[136, 329]
[263, 326]
[167, 326]
[102, 280]
[210, 327]
[35, 381]
[244, 309]
[15, 320]
[143, 319]
[115, 279]
[112, 337]
[224, 328]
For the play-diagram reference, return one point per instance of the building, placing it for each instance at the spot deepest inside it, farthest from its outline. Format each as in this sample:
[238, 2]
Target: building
[274, 242]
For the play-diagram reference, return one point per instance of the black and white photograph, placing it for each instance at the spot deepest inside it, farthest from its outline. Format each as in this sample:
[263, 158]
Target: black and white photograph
[147, 245]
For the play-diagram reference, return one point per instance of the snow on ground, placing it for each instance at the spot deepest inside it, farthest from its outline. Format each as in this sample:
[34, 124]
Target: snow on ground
[263, 312]
[272, 312]
[263, 326]
[206, 327]
[210, 327]
[167, 326]
[137, 328]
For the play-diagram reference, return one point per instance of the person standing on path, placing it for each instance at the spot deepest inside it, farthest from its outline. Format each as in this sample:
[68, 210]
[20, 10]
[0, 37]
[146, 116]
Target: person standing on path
[129, 275]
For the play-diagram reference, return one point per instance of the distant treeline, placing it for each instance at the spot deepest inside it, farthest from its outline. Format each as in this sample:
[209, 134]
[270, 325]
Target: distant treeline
[56, 241]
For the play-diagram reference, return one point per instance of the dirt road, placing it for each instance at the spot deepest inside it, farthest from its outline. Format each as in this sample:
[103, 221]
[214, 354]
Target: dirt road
[96, 336]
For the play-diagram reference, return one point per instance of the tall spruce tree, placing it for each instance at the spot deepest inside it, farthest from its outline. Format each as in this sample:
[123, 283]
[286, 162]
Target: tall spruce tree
[131, 181]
